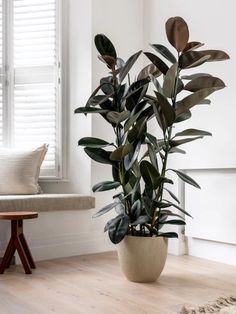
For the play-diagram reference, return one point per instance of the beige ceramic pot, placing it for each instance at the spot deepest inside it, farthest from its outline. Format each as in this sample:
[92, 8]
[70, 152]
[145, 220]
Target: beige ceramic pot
[142, 259]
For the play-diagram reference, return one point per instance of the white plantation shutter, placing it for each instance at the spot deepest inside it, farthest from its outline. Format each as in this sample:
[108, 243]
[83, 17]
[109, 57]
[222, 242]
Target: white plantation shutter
[1, 74]
[34, 78]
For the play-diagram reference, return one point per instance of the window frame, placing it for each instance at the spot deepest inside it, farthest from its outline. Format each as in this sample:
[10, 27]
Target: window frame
[8, 76]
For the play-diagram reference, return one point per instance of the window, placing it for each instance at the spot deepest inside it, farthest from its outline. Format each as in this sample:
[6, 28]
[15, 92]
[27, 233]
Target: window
[30, 77]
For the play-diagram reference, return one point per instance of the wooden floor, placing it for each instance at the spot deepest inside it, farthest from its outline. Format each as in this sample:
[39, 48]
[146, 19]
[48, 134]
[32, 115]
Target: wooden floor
[93, 284]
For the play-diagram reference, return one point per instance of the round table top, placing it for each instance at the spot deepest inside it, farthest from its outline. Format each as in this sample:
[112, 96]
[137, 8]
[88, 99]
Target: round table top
[18, 215]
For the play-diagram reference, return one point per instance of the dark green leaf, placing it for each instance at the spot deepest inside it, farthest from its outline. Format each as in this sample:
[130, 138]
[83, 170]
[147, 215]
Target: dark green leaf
[104, 210]
[118, 230]
[118, 117]
[98, 100]
[194, 76]
[105, 186]
[111, 223]
[183, 176]
[193, 99]
[128, 65]
[177, 32]
[176, 150]
[174, 222]
[93, 142]
[150, 174]
[104, 46]
[121, 152]
[106, 85]
[128, 163]
[172, 195]
[174, 143]
[204, 82]
[157, 62]
[149, 69]
[141, 220]
[138, 130]
[183, 116]
[193, 132]
[168, 235]
[165, 52]
[167, 109]
[90, 110]
[170, 81]
[99, 155]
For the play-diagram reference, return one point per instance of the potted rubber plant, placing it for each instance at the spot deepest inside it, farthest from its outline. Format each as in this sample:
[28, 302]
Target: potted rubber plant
[138, 157]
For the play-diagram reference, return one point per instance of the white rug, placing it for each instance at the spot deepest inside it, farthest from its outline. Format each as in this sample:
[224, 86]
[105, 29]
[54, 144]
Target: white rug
[221, 306]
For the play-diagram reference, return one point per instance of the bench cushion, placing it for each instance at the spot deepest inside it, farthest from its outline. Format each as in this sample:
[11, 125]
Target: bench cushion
[46, 202]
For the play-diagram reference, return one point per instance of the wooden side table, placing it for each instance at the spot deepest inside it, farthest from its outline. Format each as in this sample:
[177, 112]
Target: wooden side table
[17, 241]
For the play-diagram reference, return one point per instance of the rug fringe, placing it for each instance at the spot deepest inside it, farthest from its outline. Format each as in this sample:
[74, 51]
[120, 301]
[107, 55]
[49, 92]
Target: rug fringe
[215, 307]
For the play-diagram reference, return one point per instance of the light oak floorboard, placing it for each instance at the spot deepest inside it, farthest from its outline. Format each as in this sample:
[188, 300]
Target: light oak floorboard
[93, 284]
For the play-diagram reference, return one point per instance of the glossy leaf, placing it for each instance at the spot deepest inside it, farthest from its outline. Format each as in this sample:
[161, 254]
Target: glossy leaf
[106, 85]
[150, 174]
[193, 132]
[194, 76]
[167, 109]
[147, 70]
[193, 99]
[176, 150]
[128, 65]
[90, 110]
[121, 152]
[93, 142]
[104, 46]
[98, 100]
[165, 52]
[119, 229]
[215, 55]
[191, 59]
[104, 210]
[157, 62]
[183, 116]
[170, 81]
[172, 195]
[204, 82]
[192, 46]
[109, 61]
[99, 155]
[105, 186]
[128, 163]
[177, 32]
[138, 130]
[174, 143]
[174, 222]
[168, 235]
[141, 220]
[183, 176]
[118, 117]
[111, 223]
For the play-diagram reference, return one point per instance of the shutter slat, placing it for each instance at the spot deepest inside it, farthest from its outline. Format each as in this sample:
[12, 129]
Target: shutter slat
[35, 90]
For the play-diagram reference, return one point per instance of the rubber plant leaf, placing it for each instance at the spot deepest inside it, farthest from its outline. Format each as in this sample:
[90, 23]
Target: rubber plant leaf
[177, 33]
[165, 52]
[105, 46]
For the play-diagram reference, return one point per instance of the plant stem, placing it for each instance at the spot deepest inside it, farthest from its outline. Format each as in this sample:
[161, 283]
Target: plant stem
[159, 195]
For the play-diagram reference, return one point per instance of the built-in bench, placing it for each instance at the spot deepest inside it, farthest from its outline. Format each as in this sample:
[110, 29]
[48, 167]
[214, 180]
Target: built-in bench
[64, 227]
[46, 202]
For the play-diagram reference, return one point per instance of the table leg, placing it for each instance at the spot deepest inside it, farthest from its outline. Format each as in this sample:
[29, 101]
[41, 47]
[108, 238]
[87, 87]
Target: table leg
[7, 256]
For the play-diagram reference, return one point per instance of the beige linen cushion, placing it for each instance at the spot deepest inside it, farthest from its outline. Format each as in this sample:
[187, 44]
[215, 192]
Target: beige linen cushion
[19, 170]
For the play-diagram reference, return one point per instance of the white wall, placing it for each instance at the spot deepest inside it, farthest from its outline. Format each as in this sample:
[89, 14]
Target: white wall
[213, 160]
